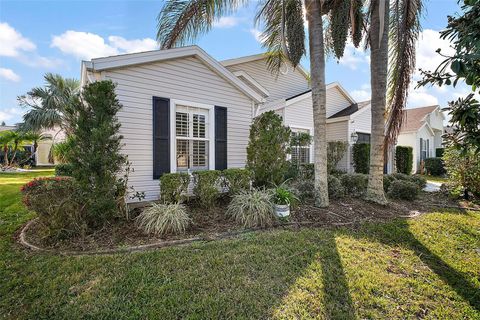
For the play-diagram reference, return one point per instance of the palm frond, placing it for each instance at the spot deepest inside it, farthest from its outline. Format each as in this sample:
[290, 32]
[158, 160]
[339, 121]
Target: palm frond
[284, 33]
[404, 31]
[181, 21]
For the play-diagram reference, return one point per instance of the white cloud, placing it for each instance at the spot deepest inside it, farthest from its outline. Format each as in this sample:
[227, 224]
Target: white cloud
[136, 45]
[257, 34]
[420, 98]
[361, 95]
[353, 57]
[226, 22]
[9, 75]
[12, 41]
[9, 114]
[427, 57]
[85, 45]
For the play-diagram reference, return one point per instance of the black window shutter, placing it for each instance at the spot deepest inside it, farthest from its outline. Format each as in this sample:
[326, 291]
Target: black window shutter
[220, 138]
[161, 136]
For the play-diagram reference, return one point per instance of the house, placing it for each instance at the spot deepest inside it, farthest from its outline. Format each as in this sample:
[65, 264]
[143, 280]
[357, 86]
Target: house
[43, 152]
[422, 130]
[183, 110]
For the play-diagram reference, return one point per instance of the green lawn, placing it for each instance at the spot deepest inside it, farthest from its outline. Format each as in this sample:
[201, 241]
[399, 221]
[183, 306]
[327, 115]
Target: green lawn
[423, 268]
[435, 178]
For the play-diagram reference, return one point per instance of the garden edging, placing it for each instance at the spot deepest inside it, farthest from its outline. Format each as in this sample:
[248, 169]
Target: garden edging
[22, 238]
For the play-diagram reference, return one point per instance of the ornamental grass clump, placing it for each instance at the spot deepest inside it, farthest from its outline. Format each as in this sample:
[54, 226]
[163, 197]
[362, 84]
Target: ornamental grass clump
[252, 209]
[163, 219]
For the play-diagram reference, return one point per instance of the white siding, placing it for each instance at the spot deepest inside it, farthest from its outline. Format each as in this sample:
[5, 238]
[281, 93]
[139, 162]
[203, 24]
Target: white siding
[281, 87]
[362, 122]
[338, 131]
[183, 79]
[336, 101]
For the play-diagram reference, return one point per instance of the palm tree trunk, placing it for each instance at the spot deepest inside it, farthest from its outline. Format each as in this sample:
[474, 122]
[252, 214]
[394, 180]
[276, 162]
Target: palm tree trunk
[378, 69]
[317, 74]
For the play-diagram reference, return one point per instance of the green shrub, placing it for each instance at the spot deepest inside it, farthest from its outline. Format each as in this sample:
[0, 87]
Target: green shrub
[439, 152]
[173, 187]
[252, 209]
[335, 187]
[361, 157]
[58, 204]
[306, 171]
[354, 184]
[434, 166]
[305, 188]
[463, 169]
[387, 181]
[420, 181]
[283, 196]
[61, 150]
[206, 187]
[267, 149]
[63, 169]
[237, 180]
[162, 219]
[401, 189]
[95, 156]
[335, 152]
[404, 159]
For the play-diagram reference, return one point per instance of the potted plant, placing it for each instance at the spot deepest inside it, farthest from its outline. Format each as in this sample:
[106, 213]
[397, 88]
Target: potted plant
[283, 199]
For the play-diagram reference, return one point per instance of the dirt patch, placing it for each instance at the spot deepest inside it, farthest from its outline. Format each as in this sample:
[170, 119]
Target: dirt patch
[213, 223]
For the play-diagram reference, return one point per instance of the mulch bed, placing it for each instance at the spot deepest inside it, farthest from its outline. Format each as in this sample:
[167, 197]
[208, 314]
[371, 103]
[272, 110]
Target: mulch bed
[213, 223]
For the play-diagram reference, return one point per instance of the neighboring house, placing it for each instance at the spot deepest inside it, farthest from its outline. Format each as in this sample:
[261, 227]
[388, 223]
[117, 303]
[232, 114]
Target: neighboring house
[422, 130]
[42, 157]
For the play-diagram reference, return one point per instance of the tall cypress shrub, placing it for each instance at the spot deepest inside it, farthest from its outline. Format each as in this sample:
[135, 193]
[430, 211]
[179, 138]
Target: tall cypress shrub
[361, 157]
[267, 149]
[404, 159]
[95, 157]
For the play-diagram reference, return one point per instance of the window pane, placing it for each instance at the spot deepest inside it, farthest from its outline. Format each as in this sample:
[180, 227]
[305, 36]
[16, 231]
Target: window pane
[200, 154]
[198, 126]
[182, 124]
[182, 154]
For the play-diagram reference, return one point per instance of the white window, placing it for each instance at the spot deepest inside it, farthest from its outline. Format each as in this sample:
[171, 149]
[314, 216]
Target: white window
[300, 154]
[192, 138]
[424, 149]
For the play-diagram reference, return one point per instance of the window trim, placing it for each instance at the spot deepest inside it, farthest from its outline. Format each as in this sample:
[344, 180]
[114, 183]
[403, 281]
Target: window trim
[173, 133]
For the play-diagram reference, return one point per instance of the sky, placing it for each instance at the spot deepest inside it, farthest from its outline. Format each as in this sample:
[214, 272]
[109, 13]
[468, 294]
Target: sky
[37, 37]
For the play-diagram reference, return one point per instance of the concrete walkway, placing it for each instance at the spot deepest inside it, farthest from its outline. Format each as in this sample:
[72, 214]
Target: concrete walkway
[432, 186]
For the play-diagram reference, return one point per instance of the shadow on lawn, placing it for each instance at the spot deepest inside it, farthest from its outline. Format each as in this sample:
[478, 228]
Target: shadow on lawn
[399, 234]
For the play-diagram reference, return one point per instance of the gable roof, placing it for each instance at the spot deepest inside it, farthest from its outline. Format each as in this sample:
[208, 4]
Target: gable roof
[255, 57]
[308, 93]
[415, 118]
[130, 59]
[351, 109]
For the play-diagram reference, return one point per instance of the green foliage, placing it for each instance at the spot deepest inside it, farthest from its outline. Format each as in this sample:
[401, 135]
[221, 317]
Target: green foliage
[404, 159]
[63, 169]
[237, 179]
[335, 152]
[58, 205]
[439, 152]
[267, 149]
[463, 169]
[163, 219]
[335, 187]
[339, 26]
[283, 196]
[206, 187]
[62, 149]
[173, 187]
[252, 209]
[402, 189]
[387, 181]
[361, 157]
[434, 166]
[95, 155]
[418, 180]
[463, 32]
[354, 184]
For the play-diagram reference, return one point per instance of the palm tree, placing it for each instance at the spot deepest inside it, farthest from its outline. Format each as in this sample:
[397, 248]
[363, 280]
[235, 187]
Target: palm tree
[402, 28]
[51, 105]
[5, 142]
[183, 20]
[35, 138]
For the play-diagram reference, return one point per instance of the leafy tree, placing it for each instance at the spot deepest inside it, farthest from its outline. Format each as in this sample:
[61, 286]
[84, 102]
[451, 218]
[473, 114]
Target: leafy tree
[463, 170]
[95, 156]
[267, 149]
[463, 32]
[51, 105]
[284, 37]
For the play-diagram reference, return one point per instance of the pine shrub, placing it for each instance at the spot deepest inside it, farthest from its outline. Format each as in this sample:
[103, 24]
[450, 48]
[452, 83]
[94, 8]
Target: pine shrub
[361, 157]
[434, 166]
[404, 159]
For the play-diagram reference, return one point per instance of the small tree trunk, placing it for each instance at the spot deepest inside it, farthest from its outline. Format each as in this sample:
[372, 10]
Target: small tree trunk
[378, 69]
[317, 74]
